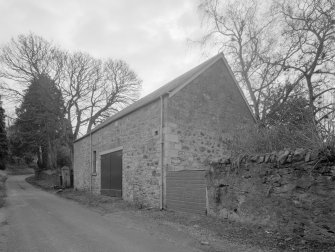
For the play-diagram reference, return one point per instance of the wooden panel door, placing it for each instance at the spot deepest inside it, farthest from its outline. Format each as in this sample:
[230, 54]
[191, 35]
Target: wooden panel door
[111, 174]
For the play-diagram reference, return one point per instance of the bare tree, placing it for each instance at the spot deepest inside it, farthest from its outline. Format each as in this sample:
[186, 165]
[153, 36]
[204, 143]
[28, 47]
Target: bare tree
[92, 89]
[117, 88]
[237, 29]
[25, 58]
[81, 73]
[308, 49]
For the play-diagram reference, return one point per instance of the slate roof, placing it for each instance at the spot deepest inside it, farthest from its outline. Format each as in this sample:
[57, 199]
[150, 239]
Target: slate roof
[175, 84]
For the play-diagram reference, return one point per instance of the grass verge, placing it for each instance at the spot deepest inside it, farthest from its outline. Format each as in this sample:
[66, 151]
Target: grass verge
[45, 181]
[3, 219]
[3, 178]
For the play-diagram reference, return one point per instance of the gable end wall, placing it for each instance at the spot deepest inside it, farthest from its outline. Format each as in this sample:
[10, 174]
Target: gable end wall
[200, 117]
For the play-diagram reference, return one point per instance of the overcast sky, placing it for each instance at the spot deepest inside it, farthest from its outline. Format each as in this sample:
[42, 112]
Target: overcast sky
[151, 35]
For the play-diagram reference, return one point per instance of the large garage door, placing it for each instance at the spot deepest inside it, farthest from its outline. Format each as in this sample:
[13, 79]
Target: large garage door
[186, 191]
[111, 174]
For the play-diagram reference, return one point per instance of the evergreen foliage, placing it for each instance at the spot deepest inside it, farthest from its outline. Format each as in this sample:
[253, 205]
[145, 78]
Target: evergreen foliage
[40, 121]
[3, 140]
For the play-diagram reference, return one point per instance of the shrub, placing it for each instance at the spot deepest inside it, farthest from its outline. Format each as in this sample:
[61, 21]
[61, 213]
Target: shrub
[259, 139]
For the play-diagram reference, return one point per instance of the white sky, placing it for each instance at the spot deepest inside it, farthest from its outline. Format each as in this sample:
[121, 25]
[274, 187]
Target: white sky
[151, 35]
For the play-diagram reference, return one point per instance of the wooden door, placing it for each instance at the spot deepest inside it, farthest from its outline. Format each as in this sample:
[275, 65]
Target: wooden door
[111, 174]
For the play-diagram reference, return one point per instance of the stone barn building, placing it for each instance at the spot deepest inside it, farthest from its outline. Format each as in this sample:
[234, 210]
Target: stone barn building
[153, 153]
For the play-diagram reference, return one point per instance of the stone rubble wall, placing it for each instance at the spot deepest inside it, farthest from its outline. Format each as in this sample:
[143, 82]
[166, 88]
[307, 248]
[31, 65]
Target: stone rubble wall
[291, 190]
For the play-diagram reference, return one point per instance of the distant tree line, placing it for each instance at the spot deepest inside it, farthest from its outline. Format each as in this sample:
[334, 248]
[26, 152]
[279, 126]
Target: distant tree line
[59, 95]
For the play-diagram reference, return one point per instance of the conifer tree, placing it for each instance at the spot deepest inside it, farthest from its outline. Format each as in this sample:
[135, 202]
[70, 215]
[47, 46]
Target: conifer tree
[40, 120]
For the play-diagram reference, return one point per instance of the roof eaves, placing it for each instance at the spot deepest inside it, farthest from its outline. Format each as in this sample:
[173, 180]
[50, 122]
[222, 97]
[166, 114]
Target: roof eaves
[117, 116]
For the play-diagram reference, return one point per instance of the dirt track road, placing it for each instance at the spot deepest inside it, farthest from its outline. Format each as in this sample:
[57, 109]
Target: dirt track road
[41, 221]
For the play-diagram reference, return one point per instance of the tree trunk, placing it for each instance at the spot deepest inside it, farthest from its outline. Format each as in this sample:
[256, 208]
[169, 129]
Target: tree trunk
[44, 151]
[311, 97]
[52, 154]
[39, 163]
[69, 137]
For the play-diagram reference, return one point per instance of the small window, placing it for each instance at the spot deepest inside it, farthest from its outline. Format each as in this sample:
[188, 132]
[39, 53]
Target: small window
[94, 161]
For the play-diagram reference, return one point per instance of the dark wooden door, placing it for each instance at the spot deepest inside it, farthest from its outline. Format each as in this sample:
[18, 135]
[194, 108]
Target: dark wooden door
[105, 173]
[111, 174]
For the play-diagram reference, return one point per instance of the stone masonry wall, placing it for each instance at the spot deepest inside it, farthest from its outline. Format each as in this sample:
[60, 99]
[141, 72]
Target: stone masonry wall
[138, 134]
[198, 118]
[293, 191]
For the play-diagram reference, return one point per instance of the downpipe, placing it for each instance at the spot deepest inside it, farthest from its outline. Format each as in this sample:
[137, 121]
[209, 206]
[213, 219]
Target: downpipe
[91, 162]
[162, 155]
